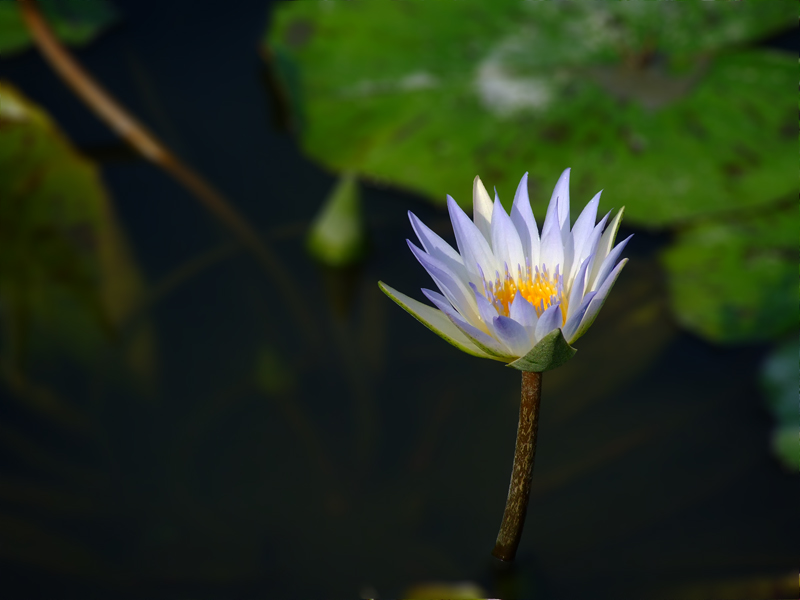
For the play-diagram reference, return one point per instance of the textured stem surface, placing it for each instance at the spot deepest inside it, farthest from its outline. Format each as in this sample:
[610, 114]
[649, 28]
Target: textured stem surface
[520, 488]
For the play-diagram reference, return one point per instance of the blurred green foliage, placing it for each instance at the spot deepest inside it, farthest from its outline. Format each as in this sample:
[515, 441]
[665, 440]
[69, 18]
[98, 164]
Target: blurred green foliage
[75, 22]
[661, 102]
[67, 280]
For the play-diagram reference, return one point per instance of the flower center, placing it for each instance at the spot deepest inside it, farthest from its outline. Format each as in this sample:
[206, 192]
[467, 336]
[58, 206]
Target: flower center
[539, 287]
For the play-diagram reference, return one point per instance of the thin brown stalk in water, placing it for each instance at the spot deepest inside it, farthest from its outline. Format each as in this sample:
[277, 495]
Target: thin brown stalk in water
[106, 107]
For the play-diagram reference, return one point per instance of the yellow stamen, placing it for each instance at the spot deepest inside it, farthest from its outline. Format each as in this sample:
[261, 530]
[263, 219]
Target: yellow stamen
[538, 287]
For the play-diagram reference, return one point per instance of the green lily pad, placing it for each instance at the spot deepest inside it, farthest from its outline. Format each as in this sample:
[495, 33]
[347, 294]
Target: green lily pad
[75, 22]
[67, 280]
[735, 279]
[427, 95]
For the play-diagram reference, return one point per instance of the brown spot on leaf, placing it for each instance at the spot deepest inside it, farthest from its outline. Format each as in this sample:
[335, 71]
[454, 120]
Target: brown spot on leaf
[298, 33]
[558, 132]
[694, 127]
[733, 170]
[408, 129]
[748, 155]
[789, 130]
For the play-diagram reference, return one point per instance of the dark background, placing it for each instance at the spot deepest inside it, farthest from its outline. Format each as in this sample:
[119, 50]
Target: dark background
[380, 458]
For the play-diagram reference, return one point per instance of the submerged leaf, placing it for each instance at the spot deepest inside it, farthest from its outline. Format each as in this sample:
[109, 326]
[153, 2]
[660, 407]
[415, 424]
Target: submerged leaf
[75, 22]
[337, 236]
[779, 382]
[67, 280]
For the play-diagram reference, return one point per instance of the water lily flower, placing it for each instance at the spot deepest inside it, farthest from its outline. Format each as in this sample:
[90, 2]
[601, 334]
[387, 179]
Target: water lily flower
[515, 295]
[510, 293]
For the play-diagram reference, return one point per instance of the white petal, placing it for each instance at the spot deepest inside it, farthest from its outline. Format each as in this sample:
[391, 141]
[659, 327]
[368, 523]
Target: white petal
[481, 208]
[549, 320]
[552, 248]
[506, 245]
[574, 320]
[583, 230]
[561, 191]
[434, 320]
[513, 335]
[437, 247]
[453, 288]
[609, 263]
[483, 341]
[473, 246]
[597, 302]
[605, 244]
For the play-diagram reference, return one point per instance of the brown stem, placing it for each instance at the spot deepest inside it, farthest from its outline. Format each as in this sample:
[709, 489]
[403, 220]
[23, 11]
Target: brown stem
[520, 488]
[148, 145]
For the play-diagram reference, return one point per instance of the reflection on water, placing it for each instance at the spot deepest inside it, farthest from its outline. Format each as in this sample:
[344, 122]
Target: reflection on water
[256, 463]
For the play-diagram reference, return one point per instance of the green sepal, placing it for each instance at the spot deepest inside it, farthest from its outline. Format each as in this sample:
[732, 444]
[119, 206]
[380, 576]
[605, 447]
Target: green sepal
[552, 351]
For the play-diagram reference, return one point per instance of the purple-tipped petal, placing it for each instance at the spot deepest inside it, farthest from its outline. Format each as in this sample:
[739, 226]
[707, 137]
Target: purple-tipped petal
[609, 263]
[569, 253]
[525, 222]
[454, 290]
[549, 320]
[578, 287]
[605, 244]
[473, 246]
[513, 335]
[583, 229]
[597, 302]
[590, 247]
[437, 247]
[506, 245]
[574, 320]
[481, 208]
[523, 313]
[486, 309]
[482, 340]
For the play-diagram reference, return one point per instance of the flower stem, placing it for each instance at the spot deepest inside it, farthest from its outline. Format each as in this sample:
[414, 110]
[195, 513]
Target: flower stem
[520, 488]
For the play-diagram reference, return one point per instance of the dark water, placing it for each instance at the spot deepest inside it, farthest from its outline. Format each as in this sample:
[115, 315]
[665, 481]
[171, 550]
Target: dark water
[373, 456]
